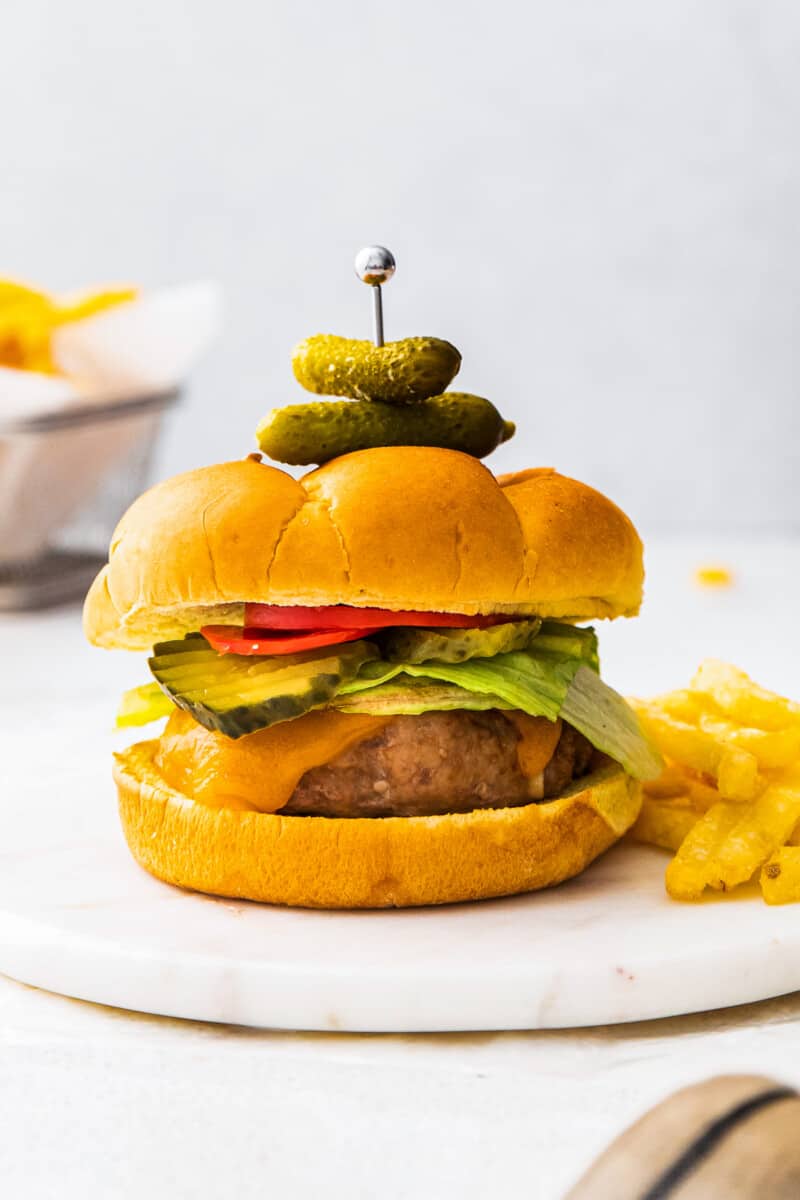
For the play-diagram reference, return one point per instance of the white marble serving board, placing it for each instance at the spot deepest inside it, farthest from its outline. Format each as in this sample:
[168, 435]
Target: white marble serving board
[78, 916]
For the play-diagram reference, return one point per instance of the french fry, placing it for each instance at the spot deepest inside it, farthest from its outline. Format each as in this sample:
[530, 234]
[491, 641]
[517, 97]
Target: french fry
[678, 740]
[738, 777]
[28, 319]
[12, 293]
[683, 704]
[687, 874]
[762, 828]
[91, 303]
[725, 731]
[728, 845]
[671, 782]
[663, 823]
[735, 694]
[702, 796]
[682, 788]
[772, 748]
[735, 770]
[780, 876]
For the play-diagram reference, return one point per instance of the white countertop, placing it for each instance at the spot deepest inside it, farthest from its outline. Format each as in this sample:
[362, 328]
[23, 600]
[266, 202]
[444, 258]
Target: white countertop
[96, 1101]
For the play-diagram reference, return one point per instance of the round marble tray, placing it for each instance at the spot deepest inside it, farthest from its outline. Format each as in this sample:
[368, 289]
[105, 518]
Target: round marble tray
[78, 916]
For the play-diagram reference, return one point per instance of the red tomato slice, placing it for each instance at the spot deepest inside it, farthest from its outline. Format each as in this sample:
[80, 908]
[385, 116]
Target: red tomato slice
[344, 616]
[233, 639]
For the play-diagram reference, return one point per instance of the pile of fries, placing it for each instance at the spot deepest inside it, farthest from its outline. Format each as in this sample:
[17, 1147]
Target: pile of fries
[728, 801]
[28, 319]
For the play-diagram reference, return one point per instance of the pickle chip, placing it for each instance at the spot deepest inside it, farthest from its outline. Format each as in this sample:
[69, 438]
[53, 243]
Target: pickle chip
[416, 646]
[237, 695]
[397, 373]
[302, 434]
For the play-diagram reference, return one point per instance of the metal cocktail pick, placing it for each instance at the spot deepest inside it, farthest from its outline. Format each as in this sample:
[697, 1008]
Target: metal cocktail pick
[375, 265]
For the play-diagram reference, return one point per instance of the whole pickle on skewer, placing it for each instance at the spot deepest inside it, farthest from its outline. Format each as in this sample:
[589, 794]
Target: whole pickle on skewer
[317, 432]
[397, 373]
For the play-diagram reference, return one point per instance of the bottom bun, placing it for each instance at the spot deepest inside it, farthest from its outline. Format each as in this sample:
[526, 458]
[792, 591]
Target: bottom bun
[368, 862]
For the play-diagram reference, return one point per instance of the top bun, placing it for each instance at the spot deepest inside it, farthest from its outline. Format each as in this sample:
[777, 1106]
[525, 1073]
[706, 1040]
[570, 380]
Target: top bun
[402, 527]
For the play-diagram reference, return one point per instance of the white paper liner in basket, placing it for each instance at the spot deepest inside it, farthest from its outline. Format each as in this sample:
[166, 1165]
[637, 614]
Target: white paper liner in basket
[142, 347]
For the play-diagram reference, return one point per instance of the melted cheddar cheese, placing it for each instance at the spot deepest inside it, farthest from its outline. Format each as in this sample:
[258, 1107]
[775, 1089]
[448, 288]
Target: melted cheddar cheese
[260, 771]
[538, 739]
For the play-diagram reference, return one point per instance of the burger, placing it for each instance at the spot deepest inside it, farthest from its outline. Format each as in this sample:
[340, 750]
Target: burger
[379, 686]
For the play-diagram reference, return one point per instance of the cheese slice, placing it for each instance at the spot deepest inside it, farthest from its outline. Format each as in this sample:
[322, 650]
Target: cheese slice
[257, 772]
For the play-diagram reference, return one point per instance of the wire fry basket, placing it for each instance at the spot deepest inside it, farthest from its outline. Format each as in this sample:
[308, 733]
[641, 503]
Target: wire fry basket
[65, 479]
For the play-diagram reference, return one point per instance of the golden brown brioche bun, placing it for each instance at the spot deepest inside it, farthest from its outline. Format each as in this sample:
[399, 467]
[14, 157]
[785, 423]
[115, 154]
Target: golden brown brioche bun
[397, 527]
[319, 862]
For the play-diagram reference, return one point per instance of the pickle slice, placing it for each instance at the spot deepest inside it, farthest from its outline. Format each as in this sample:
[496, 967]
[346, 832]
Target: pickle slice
[317, 432]
[237, 694]
[416, 646]
[398, 372]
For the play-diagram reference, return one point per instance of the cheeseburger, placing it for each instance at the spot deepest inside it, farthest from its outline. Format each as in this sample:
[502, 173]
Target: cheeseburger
[378, 681]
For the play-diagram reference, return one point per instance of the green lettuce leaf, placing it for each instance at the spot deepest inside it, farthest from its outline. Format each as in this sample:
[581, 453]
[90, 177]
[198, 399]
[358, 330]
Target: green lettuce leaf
[535, 685]
[405, 695]
[553, 677]
[610, 724]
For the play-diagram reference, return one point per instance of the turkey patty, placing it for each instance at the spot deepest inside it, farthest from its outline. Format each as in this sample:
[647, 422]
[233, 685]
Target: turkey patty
[438, 762]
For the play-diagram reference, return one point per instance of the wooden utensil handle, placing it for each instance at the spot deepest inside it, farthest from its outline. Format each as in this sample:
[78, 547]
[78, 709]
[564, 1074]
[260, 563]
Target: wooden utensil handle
[735, 1137]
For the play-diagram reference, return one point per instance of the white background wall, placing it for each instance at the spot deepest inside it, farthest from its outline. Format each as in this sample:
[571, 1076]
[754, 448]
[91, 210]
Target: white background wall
[598, 202]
